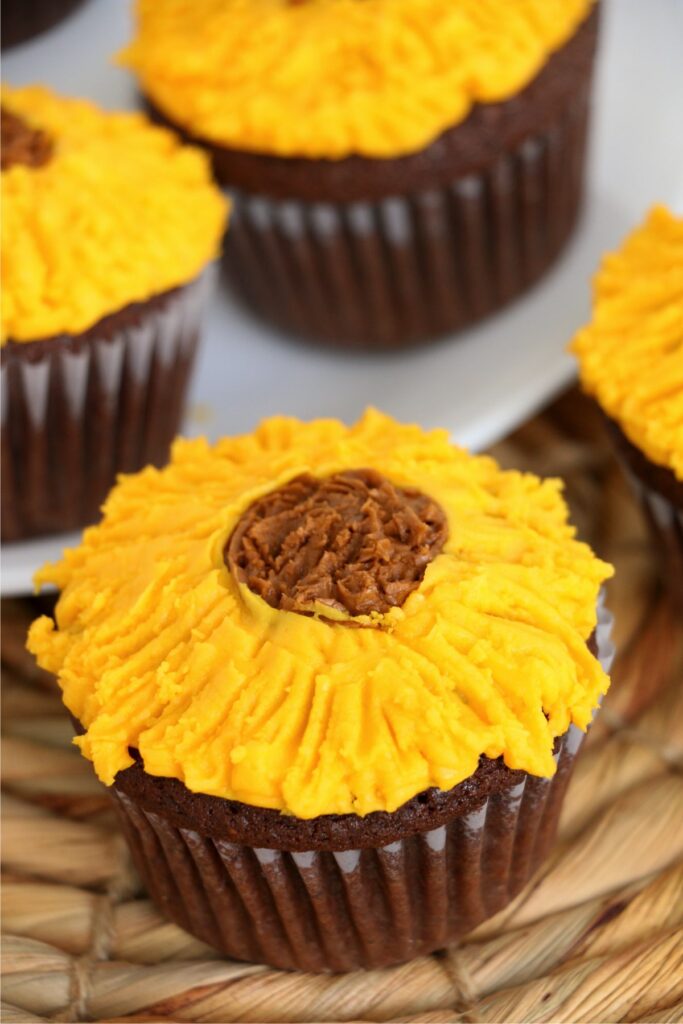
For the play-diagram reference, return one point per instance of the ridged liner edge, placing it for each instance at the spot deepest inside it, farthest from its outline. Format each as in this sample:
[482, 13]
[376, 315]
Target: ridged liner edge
[385, 274]
[324, 910]
[77, 415]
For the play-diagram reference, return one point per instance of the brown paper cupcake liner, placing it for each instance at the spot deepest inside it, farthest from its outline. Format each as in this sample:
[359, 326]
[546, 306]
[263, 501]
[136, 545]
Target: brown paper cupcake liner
[660, 495]
[24, 19]
[387, 273]
[78, 410]
[340, 909]
[665, 521]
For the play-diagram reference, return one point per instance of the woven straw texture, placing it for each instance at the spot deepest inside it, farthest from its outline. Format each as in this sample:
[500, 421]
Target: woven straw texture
[597, 936]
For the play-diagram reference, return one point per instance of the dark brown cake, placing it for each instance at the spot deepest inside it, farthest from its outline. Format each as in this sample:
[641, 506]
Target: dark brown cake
[21, 20]
[377, 253]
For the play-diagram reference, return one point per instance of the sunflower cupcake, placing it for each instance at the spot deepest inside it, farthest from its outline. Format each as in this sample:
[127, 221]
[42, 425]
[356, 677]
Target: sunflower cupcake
[631, 361]
[108, 226]
[400, 167]
[336, 679]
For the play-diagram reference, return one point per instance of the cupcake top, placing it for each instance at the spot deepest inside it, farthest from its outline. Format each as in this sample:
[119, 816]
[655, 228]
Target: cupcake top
[323, 619]
[99, 210]
[631, 354]
[332, 78]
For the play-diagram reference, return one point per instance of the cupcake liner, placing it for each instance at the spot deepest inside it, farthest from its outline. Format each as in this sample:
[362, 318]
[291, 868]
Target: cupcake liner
[656, 489]
[342, 909]
[665, 525]
[382, 274]
[23, 19]
[78, 410]
[665, 522]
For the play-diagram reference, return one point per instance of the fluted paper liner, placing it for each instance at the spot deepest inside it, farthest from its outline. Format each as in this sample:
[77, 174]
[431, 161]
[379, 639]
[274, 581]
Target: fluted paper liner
[665, 524]
[24, 19]
[77, 411]
[410, 267]
[340, 909]
[666, 527]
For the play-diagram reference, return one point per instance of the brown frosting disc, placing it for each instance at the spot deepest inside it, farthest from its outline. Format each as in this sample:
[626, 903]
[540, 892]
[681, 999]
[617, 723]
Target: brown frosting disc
[352, 541]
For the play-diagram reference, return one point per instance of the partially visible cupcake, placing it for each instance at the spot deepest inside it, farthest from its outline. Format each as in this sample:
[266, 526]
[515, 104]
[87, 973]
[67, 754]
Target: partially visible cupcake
[21, 20]
[336, 679]
[108, 227]
[631, 361]
[400, 168]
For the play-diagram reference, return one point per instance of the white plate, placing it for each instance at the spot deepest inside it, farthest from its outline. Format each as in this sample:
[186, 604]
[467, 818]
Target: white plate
[479, 384]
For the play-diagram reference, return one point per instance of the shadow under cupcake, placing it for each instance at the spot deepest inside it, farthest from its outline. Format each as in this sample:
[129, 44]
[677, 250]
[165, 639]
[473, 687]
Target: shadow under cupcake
[398, 172]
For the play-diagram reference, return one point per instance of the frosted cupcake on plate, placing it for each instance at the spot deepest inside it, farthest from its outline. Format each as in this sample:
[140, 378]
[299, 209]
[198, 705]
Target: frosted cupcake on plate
[631, 361]
[108, 227]
[400, 167]
[336, 679]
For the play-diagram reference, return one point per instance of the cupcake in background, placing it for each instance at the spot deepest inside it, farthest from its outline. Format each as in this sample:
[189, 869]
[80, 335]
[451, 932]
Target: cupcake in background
[21, 20]
[336, 679]
[108, 227]
[631, 361]
[400, 168]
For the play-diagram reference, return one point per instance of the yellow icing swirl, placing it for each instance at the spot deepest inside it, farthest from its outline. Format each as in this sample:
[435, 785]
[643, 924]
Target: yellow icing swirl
[631, 354]
[159, 648]
[119, 213]
[330, 78]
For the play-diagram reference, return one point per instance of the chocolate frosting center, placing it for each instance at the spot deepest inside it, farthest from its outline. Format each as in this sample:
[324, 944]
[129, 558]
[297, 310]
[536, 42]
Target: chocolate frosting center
[352, 541]
[22, 144]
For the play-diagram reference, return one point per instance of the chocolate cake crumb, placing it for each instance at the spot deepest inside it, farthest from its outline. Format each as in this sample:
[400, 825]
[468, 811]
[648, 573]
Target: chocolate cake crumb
[22, 144]
[352, 541]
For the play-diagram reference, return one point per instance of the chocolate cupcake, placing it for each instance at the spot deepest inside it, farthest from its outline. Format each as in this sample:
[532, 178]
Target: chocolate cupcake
[399, 169]
[631, 362]
[109, 225]
[336, 679]
[23, 19]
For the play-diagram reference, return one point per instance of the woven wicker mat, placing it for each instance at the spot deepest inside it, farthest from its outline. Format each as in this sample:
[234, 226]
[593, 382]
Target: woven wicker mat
[598, 935]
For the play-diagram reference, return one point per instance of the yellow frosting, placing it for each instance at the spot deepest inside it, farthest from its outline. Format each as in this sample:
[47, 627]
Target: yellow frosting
[158, 647]
[328, 78]
[631, 354]
[119, 213]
